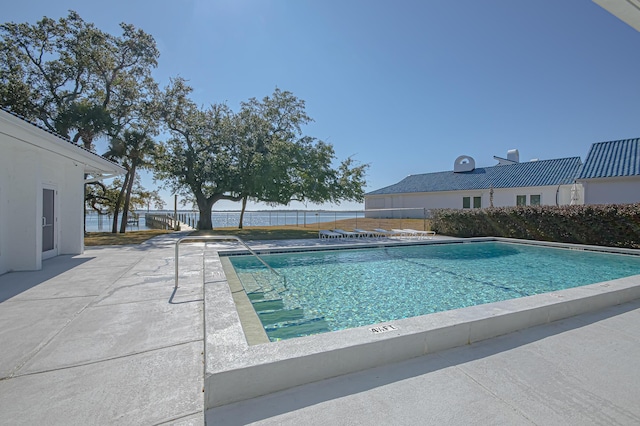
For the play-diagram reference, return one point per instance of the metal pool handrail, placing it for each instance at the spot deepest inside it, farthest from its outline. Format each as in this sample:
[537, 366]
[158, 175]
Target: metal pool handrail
[217, 237]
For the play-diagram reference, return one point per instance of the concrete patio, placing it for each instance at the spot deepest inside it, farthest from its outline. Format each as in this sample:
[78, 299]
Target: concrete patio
[102, 338]
[578, 371]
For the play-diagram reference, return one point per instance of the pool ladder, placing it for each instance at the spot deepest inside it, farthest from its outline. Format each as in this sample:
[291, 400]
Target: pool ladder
[215, 237]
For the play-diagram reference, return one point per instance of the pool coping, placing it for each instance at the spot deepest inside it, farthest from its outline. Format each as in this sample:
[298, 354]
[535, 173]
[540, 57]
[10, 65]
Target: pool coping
[236, 370]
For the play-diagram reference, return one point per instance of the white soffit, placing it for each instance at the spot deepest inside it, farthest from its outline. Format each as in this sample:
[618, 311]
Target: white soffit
[92, 163]
[626, 10]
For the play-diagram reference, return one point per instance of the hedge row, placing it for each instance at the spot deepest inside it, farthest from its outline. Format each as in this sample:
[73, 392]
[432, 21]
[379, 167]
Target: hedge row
[614, 225]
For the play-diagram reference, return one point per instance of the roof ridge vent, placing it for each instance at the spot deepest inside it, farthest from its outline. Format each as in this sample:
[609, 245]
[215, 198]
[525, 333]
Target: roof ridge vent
[464, 163]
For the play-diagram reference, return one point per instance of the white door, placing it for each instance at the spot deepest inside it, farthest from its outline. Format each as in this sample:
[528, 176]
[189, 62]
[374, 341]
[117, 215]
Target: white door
[49, 223]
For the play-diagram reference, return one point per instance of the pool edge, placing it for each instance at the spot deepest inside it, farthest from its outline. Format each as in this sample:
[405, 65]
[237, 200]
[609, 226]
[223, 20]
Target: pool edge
[236, 371]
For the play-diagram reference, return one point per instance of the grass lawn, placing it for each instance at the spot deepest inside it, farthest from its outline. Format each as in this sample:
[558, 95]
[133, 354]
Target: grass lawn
[289, 232]
[132, 237]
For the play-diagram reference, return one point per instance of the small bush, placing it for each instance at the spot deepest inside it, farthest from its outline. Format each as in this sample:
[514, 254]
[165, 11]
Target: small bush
[614, 225]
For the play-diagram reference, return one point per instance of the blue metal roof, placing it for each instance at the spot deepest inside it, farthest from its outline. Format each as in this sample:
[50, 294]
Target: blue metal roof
[560, 171]
[612, 159]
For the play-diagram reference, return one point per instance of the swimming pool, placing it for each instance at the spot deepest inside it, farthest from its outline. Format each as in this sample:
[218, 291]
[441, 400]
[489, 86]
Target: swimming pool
[339, 289]
[241, 363]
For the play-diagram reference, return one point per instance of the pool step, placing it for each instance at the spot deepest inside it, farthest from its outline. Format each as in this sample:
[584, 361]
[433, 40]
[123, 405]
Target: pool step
[269, 283]
[297, 328]
[280, 315]
[268, 305]
[257, 295]
[249, 283]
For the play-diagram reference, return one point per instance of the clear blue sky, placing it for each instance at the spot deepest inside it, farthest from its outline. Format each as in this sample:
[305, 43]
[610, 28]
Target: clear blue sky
[406, 86]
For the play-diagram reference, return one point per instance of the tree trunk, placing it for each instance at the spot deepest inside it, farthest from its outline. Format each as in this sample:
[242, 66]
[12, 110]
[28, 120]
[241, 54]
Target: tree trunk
[116, 209]
[204, 207]
[244, 206]
[127, 199]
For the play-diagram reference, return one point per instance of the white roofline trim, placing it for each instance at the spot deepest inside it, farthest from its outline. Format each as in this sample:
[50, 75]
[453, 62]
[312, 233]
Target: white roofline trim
[101, 177]
[91, 161]
[628, 11]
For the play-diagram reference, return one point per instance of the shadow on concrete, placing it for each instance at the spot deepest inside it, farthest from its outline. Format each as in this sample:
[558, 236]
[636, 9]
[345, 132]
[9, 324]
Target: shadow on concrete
[173, 293]
[14, 283]
[300, 397]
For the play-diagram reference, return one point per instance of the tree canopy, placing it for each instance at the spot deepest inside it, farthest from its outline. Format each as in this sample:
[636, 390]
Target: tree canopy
[75, 79]
[260, 153]
[133, 150]
[196, 160]
[83, 83]
[102, 200]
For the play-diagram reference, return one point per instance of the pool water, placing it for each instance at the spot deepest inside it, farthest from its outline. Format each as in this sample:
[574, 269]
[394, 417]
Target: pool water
[338, 289]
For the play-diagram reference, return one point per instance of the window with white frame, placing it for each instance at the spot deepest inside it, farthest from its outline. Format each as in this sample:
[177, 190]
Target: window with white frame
[467, 202]
[534, 200]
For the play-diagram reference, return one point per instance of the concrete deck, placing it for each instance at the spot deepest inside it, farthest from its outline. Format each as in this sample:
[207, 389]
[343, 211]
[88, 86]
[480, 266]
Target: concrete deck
[102, 338]
[578, 371]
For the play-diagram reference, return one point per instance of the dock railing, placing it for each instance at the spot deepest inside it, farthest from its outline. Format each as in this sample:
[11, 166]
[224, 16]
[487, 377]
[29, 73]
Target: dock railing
[159, 221]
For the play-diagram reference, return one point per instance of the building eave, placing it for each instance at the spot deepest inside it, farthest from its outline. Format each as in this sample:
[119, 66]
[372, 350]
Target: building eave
[627, 11]
[93, 163]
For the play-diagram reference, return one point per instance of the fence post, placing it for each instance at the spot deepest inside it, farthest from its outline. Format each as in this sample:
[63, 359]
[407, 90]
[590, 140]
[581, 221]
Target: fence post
[424, 219]
[175, 212]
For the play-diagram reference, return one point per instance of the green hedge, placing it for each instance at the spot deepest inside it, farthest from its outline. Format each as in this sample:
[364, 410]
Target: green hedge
[614, 225]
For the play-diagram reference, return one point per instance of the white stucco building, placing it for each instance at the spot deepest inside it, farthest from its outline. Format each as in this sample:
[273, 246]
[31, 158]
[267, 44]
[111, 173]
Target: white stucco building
[510, 183]
[609, 175]
[42, 179]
